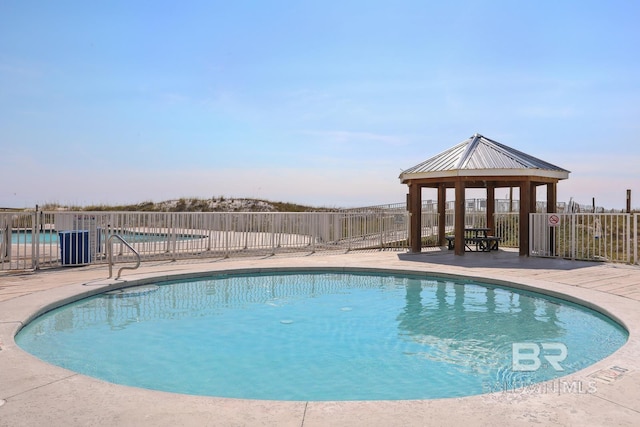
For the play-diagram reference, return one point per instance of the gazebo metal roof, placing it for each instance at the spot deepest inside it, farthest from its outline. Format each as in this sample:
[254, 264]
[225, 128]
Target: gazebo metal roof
[479, 156]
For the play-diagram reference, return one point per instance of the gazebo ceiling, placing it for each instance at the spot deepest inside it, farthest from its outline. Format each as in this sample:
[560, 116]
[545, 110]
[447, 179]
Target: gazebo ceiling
[480, 159]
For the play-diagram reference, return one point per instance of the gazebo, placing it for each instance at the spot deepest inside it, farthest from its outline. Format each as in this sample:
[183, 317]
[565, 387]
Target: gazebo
[479, 162]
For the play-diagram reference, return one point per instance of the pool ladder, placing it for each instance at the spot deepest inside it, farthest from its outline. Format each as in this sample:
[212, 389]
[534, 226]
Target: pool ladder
[110, 257]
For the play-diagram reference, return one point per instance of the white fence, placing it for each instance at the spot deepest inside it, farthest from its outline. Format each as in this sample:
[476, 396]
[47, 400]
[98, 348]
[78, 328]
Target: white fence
[590, 236]
[30, 240]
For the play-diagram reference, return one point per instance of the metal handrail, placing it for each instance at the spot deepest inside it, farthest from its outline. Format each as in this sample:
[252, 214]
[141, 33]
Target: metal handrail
[110, 259]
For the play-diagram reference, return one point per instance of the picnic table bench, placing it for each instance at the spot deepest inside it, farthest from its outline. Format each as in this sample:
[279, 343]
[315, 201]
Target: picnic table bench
[476, 240]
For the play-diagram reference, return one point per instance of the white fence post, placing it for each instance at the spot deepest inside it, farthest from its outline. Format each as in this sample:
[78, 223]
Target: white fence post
[636, 240]
[628, 237]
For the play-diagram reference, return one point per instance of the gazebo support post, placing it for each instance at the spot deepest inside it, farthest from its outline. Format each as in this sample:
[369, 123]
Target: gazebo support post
[459, 218]
[525, 201]
[442, 213]
[491, 208]
[415, 221]
[527, 206]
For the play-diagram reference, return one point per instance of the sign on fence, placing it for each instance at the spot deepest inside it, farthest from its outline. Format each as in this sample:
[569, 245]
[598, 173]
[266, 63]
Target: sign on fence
[554, 220]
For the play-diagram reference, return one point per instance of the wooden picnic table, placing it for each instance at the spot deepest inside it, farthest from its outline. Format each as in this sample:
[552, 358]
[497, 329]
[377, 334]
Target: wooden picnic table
[476, 237]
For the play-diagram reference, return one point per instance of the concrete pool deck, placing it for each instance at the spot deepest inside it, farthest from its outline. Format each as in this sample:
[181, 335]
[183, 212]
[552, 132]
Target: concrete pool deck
[33, 392]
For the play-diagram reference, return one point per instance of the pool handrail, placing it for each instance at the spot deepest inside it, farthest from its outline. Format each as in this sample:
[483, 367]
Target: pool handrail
[110, 258]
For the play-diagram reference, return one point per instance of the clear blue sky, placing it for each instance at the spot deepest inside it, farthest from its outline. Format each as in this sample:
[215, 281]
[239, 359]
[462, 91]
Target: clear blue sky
[313, 102]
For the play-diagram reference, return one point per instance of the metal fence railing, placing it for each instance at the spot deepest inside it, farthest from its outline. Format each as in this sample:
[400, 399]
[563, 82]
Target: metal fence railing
[17, 250]
[611, 237]
[635, 245]
[32, 240]
[507, 227]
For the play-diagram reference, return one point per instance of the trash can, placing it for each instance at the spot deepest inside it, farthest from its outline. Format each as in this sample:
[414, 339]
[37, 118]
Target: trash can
[74, 247]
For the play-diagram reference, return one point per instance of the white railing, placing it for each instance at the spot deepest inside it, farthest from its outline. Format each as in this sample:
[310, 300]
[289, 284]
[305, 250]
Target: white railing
[507, 229]
[609, 237]
[635, 239]
[17, 250]
[47, 239]
[30, 240]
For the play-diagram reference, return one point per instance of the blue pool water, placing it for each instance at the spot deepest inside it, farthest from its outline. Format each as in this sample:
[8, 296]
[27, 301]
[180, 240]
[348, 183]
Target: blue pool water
[25, 236]
[319, 336]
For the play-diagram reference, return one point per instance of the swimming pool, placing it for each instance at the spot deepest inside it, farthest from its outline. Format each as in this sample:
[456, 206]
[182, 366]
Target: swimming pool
[319, 336]
[25, 236]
